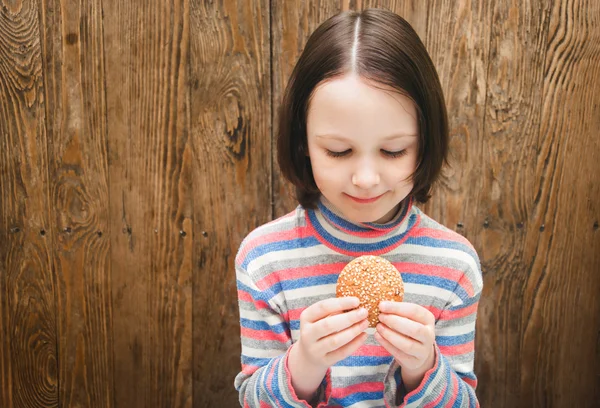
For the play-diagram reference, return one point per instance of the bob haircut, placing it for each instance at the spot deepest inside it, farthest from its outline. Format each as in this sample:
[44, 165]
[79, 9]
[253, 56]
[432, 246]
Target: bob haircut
[390, 53]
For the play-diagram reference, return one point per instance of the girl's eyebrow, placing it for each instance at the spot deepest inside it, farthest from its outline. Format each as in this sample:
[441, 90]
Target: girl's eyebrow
[340, 137]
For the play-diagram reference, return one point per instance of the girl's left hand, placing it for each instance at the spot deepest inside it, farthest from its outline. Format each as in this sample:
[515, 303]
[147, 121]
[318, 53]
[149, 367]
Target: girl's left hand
[407, 332]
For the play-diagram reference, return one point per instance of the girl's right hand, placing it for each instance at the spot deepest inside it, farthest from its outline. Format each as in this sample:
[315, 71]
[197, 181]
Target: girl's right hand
[328, 334]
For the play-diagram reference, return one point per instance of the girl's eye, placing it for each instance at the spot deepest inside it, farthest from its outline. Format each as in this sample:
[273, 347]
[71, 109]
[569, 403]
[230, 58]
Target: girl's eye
[337, 154]
[387, 153]
[394, 154]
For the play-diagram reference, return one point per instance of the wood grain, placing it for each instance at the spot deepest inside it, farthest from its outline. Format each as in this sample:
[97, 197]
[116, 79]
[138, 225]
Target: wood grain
[231, 135]
[28, 345]
[560, 360]
[151, 201]
[71, 38]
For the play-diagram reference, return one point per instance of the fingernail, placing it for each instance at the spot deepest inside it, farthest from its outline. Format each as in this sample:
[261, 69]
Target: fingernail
[384, 305]
[363, 312]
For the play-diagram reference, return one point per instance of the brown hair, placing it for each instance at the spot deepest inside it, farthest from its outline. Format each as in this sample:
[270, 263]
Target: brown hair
[389, 52]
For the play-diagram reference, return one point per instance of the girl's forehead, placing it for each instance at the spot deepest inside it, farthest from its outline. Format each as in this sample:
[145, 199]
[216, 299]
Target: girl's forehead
[350, 104]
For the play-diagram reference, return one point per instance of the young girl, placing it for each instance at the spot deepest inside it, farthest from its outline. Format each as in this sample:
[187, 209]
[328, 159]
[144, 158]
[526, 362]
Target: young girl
[363, 135]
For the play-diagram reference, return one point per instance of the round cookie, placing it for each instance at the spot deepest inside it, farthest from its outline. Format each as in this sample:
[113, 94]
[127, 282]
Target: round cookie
[371, 279]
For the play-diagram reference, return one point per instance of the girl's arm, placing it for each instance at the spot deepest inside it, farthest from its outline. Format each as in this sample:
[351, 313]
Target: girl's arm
[265, 378]
[451, 382]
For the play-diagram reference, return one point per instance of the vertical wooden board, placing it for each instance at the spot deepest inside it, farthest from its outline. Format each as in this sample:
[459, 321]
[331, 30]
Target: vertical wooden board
[413, 11]
[71, 35]
[292, 22]
[561, 308]
[151, 203]
[28, 354]
[512, 201]
[230, 129]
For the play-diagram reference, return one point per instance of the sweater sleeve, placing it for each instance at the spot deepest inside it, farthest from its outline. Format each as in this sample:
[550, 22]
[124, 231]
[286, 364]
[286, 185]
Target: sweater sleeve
[452, 381]
[264, 380]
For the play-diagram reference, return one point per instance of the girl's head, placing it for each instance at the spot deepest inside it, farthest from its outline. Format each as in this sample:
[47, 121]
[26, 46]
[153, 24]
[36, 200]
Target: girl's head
[363, 116]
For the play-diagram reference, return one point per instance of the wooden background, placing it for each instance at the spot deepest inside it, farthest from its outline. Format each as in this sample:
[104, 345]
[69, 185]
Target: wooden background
[136, 151]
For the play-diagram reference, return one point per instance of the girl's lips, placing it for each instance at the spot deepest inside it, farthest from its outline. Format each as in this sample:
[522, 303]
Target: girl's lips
[365, 200]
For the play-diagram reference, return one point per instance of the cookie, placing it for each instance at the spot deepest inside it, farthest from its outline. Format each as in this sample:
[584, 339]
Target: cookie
[371, 279]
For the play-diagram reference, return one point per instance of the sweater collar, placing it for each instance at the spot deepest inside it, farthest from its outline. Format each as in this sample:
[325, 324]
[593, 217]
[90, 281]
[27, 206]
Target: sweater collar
[333, 229]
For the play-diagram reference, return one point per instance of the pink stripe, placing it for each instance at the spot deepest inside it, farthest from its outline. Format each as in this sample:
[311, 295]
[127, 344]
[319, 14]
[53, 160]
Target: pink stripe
[249, 369]
[360, 387]
[246, 297]
[371, 351]
[263, 335]
[457, 314]
[471, 382]
[454, 390]
[445, 235]
[458, 349]
[298, 273]
[270, 383]
[433, 270]
[438, 399]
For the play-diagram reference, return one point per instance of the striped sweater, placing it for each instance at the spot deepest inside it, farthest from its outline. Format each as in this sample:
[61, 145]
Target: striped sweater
[290, 263]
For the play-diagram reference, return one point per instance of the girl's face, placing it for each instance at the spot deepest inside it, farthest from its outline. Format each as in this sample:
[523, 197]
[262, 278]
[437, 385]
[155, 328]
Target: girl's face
[363, 146]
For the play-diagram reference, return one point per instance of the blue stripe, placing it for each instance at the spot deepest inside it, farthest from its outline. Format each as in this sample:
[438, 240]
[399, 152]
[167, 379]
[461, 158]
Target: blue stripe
[275, 385]
[309, 281]
[455, 340]
[357, 397]
[262, 325]
[345, 224]
[436, 281]
[260, 250]
[255, 294]
[459, 397]
[359, 247]
[259, 362]
[442, 243]
[354, 361]
[467, 301]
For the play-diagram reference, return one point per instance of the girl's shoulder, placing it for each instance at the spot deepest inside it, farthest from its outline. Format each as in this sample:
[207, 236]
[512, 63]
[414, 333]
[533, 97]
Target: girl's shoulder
[441, 237]
[271, 234]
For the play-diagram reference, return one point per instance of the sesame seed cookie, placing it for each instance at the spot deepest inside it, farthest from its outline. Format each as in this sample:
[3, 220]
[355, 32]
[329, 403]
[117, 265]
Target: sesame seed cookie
[371, 279]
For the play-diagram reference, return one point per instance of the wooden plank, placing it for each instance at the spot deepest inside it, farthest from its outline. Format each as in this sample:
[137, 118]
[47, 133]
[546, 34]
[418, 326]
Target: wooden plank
[230, 130]
[71, 35]
[28, 345]
[508, 199]
[413, 11]
[292, 23]
[151, 205]
[560, 313]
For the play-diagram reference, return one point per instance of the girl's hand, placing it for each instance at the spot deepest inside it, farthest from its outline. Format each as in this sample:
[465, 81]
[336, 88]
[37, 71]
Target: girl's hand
[407, 332]
[328, 334]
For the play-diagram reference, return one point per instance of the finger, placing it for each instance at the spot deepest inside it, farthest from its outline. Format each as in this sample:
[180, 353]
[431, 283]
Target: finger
[340, 339]
[409, 328]
[333, 324]
[404, 359]
[329, 306]
[400, 341]
[409, 310]
[347, 350]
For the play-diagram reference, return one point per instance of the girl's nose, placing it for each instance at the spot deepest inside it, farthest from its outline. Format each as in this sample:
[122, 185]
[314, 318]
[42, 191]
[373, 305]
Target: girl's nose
[366, 177]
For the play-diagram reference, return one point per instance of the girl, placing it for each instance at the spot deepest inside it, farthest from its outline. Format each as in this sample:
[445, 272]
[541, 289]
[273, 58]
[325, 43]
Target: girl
[363, 135]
